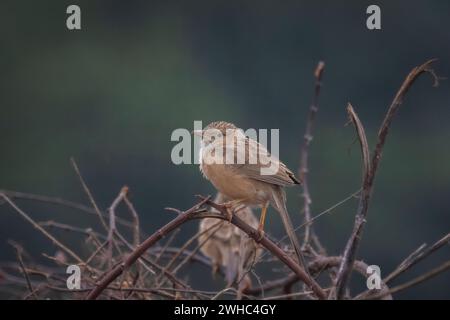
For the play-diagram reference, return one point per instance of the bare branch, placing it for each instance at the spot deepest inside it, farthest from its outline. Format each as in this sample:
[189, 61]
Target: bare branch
[418, 256]
[303, 170]
[122, 266]
[426, 276]
[60, 202]
[415, 257]
[369, 177]
[136, 224]
[112, 223]
[42, 230]
[274, 249]
[140, 250]
[19, 251]
[88, 193]
[346, 266]
[194, 213]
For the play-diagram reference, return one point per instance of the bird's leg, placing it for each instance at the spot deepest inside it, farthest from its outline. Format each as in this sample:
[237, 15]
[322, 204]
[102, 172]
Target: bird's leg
[262, 220]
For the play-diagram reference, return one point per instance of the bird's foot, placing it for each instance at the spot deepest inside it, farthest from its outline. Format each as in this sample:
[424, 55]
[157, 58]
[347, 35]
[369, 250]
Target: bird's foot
[230, 207]
[261, 234]
[229, 214]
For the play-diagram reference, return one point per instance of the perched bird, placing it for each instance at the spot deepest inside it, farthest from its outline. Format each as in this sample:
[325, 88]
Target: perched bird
[249, 179]
[227, 246]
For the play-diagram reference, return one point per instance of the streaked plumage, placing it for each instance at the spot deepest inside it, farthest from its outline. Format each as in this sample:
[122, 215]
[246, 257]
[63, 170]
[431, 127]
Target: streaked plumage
[244, 181]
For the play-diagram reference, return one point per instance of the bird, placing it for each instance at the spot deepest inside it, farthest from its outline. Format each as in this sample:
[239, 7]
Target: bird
[229, 247]
[243, 179]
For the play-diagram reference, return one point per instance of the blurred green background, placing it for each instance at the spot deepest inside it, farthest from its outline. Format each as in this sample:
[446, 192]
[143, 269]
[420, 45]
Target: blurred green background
[111, 94]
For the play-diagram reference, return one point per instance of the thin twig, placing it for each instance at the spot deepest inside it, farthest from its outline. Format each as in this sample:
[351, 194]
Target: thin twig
[136, 224]
[272, 285]
[163, 249]
[112, 223]
[214, 228]
[42, 230]
[60, 202]
[132, 289]
[417, 257]
[95, 253]
[428, 275]
[171, 251]
[88, 193]
[303, 170]
[322, 263]
[289, 295]
[194, 213]
[141, 249]
[189, 256]
[19, 251]
[66, 227]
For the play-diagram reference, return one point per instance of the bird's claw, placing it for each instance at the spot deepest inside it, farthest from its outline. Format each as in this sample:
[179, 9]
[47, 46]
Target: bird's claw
[261, 234]
[229, 208]
[229, 214]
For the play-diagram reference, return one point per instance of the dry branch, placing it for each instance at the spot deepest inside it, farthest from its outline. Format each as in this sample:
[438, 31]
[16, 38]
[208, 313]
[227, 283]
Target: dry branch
[112, 223]
[141, 249]
[274, 249]
[19, 251]
[418, 256]
[303, 170]
[415, 257]
[59, 202]
[369, 177]
[194, 213]
[426, 276]
[88, 193]
[42, 230]
[134, 275]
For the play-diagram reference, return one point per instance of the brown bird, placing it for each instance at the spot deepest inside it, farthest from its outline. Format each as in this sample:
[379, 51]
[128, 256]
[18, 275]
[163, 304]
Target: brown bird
[243, 170]
[229, 247]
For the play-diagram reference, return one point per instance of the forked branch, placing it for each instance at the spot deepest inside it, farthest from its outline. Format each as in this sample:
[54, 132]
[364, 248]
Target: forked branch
[370, 170]
[196, 213]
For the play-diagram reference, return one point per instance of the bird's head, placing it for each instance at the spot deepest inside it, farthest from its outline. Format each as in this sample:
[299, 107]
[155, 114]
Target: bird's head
[216, 131]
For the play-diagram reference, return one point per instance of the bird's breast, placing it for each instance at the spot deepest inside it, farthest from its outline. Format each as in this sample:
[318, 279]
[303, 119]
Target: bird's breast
[235, 186]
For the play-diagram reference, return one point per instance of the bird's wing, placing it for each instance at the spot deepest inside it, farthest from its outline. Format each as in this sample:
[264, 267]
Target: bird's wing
[257, 157]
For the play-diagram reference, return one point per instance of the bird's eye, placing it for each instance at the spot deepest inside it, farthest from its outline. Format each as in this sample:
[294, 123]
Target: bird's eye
[213, 138]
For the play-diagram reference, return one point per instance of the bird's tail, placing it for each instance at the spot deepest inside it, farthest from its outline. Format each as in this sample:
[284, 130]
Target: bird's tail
[279, 203]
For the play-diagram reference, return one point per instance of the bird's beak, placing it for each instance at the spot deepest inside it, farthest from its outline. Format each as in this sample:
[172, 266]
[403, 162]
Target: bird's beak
[197, 132]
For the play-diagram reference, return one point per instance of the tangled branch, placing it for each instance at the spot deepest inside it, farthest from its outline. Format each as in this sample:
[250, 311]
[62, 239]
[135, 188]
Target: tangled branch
[117, 264]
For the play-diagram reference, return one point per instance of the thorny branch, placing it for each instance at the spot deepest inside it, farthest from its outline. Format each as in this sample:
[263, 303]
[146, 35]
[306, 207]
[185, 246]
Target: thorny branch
[303, 170]
[115, 267]
[193, 213]
[369, 173]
